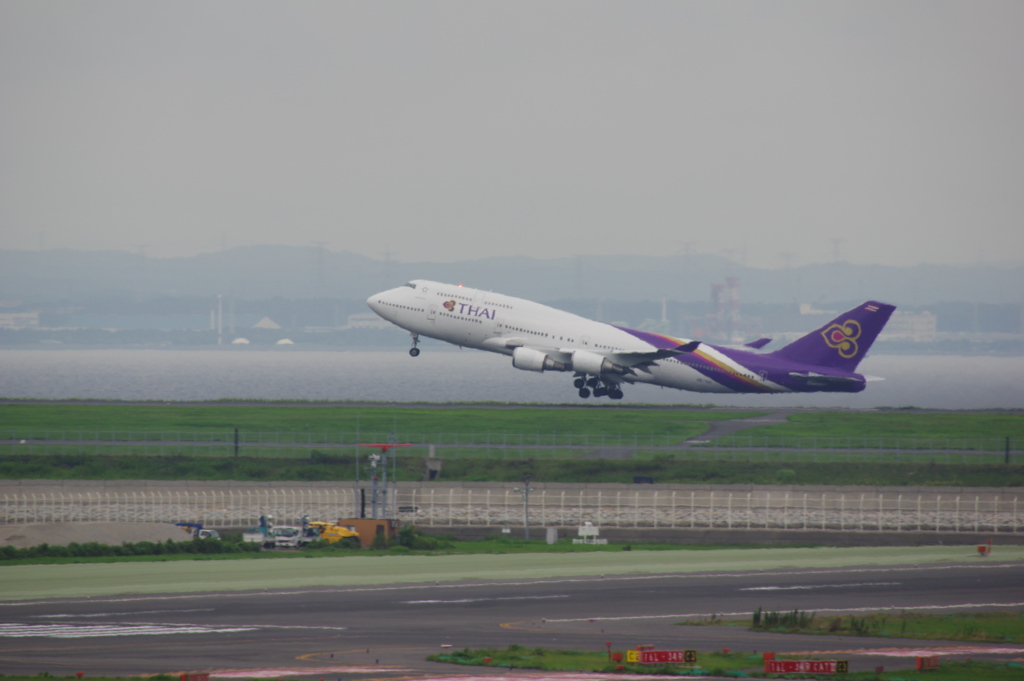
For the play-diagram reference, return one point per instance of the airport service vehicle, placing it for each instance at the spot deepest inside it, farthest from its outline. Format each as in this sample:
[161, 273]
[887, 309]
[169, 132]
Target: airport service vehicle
[197, 531]
[276, 537]
[329, 532]
[271, 536]
[602, 357]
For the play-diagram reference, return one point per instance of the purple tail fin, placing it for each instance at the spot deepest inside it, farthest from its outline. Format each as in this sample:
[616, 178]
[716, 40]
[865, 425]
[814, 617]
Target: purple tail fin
[844, 341]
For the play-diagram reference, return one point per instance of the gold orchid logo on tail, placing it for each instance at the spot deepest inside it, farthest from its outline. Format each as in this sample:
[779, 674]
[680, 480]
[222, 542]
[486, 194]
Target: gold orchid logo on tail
[843, 337]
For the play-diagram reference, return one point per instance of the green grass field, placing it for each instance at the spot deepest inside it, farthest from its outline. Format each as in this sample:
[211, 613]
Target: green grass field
[314, 423]
[989, 627]
[80, 580]
[892, 429]
[488, 443]
[663, 468]
[526, 424]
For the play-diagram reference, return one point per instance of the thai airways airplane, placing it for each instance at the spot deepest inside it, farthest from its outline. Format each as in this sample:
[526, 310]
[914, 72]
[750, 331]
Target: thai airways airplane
[602, 356]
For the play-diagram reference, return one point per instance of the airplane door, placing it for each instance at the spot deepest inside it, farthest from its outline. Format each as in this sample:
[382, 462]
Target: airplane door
[431, 313]
[585, 340]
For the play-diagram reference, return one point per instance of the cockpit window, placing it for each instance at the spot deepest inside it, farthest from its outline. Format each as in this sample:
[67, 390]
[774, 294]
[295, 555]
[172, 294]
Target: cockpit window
[411, 285]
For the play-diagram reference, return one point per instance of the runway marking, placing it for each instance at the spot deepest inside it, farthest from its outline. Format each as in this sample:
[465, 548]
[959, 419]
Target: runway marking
[817, 586]
[325, 655]
[69, 630]
[122, 614]
[480, 600]
[746, 613]
[12, 630]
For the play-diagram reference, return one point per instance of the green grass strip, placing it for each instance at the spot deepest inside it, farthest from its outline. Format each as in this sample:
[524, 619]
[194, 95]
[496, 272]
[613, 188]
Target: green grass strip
[24, 582]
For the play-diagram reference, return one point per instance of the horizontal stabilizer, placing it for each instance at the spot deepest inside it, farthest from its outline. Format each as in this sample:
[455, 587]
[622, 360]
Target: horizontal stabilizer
[813, 378]
[758, 344]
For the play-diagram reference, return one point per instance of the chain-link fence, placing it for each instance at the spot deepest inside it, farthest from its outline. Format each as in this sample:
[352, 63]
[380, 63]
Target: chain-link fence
[968, 451]
[504, 506]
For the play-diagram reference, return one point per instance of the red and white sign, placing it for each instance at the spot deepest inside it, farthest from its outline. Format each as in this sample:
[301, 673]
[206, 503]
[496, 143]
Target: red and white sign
[668, 656]
[809, 666]
[929, 662]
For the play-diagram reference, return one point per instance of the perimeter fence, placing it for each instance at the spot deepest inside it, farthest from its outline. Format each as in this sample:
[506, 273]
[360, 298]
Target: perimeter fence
[300, 444]
[570, 508]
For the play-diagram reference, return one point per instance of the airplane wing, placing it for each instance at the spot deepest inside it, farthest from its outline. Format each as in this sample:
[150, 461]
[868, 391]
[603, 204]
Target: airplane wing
[626, 362]
[506, 345]
[645, 357]
[642, 360]
[624, 358]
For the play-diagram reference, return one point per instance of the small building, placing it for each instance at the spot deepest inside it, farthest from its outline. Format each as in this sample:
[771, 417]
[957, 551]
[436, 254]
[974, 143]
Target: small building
[371, 528]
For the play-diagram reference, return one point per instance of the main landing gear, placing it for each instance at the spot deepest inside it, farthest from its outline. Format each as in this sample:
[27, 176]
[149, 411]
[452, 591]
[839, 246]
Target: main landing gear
[597, 386]
[415, 351]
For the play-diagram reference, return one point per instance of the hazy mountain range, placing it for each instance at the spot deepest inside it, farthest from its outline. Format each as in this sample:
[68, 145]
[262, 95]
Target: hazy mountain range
[261, 272]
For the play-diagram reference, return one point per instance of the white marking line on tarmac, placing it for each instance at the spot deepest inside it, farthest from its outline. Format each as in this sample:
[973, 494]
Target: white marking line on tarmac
[16, 630]
[297, 626]
[800, 587]
[486, 584]
[481, 600]
[251, 627]
[122, 614]
[10, 630]
[746, 613]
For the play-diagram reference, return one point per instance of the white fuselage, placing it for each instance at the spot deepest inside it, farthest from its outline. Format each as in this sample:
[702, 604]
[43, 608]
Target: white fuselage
[530, 332]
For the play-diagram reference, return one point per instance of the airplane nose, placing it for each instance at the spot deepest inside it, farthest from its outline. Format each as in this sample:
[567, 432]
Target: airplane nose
[374, 302]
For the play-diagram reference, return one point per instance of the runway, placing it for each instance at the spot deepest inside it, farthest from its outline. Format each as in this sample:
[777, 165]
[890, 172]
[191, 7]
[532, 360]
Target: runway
[386, 631]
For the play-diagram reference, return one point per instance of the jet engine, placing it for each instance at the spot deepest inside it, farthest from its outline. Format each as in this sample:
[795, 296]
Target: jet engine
[529, 359]
[585, 362]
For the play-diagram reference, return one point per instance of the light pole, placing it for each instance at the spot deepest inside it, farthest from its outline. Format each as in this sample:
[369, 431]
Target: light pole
[382, 460]
[374, 459]
[525, 491]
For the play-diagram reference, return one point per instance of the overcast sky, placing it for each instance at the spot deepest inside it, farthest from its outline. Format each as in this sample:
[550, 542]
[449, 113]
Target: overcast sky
[769, 132]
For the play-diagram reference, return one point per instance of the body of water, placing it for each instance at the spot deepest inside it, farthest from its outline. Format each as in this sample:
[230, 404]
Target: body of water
[442, 375]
